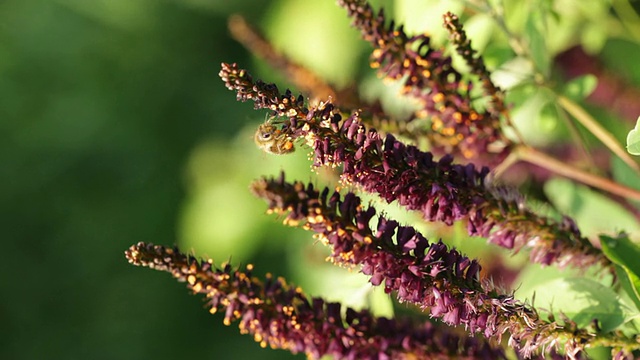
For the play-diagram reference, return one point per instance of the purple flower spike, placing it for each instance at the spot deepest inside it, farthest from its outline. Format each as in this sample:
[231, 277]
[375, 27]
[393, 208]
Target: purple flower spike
[281, 316]
[442, 191]
[428, 275]
[428, 76]
[447, 192]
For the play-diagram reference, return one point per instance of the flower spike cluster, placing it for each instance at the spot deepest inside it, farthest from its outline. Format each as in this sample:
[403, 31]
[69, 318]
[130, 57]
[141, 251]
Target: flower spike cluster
[462, 116]
[429, 275]
[441, 190]
[429, 76]
[281, 316]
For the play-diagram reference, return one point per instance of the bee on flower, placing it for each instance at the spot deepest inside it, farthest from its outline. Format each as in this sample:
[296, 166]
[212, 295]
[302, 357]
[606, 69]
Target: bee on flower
[273, 140]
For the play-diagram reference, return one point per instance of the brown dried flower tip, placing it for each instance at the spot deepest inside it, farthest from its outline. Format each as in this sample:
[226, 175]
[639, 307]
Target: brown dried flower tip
[463, 48]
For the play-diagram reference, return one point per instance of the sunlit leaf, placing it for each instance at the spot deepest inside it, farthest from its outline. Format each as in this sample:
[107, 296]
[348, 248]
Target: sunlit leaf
[537, 44]
[633, 139]
[593, 36]
[512, 73]
[630, 285]
[347, 286]
[580, 299]
[592, 211]
[580, 87]
[479, 28]
[535, 119]
[419, 16]
[336, 46]
[622, 252]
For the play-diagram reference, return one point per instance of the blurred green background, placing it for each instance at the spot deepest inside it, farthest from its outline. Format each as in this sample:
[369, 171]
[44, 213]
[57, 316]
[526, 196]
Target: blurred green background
[102, 106]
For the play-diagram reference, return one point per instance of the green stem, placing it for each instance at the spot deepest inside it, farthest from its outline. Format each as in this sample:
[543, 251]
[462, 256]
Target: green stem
[597, 130]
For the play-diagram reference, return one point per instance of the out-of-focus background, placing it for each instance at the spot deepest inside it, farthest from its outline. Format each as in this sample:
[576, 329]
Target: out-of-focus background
[115, 128]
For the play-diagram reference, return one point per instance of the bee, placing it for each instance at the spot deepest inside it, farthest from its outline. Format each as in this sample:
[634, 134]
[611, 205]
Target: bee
[272, 140]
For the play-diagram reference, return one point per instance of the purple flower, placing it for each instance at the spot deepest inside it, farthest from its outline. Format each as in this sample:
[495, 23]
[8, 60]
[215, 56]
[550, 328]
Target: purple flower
[281, 316]
[441, 190]
[446, 192]
[428, 75]
[437, 279]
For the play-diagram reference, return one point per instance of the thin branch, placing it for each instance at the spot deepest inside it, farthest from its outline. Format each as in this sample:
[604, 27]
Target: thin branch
[306, 80]
[577, 137]
[535, 157]
[597, 130]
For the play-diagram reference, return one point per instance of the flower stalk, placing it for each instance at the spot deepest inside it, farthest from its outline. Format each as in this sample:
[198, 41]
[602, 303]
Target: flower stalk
[439, 280]
[441, 190]
[457, 126]
[281, 316]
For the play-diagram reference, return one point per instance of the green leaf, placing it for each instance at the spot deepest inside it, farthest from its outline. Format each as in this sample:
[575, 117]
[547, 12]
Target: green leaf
[581, 300]
[622, 252]
[535, 119]
[580, 87]
[633, 139]
[512, 73]
[625, 175]
[593, 37]
[594, 213]
[535, 33]
[597, 129]
[336, 45]
[350, 288]
[627, 64]
[419, 16]
[629, 285]
[533, 276]
[479, 29]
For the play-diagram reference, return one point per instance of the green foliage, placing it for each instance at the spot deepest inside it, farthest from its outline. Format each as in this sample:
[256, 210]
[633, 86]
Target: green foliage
[594, 212]
[625, 255]
[536, 34]
[335, 46]
[580, 87]
[633, 139]
[580, 299]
